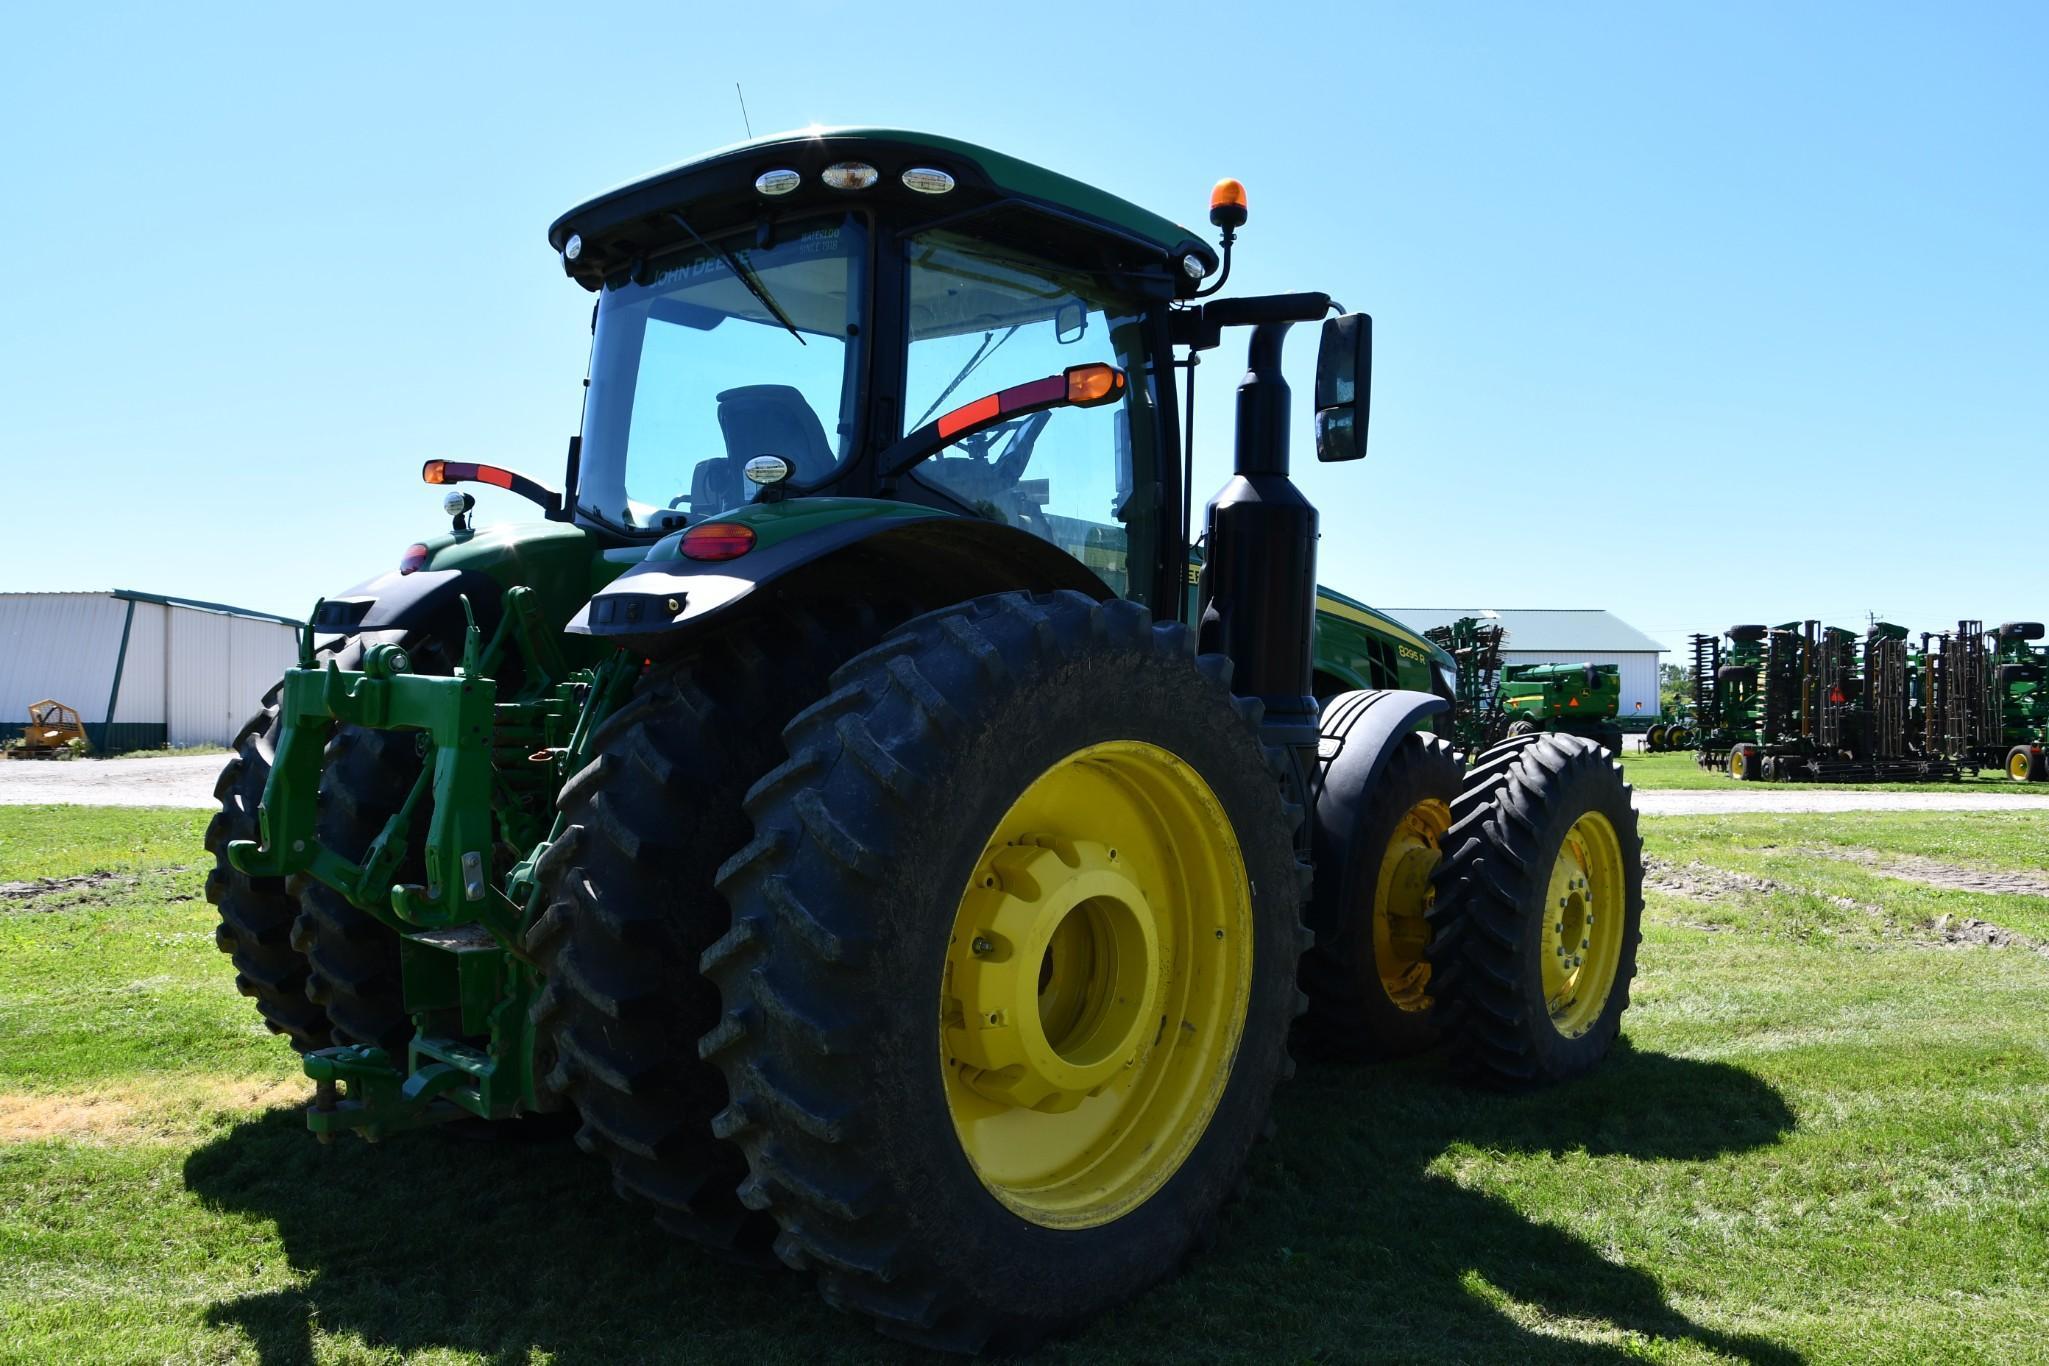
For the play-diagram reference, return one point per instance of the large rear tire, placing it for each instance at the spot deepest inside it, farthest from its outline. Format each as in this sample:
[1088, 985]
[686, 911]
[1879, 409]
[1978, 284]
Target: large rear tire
[631, 908]
[1538, 913]
[1011, 970]
[1368, 976]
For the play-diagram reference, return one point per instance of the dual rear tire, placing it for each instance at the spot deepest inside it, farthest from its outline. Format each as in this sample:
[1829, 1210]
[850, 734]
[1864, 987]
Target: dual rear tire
[1006, 981]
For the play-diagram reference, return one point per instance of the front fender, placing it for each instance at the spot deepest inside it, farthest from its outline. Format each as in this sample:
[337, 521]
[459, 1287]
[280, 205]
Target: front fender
[427, 600]
[1358, 733]
[844, 546]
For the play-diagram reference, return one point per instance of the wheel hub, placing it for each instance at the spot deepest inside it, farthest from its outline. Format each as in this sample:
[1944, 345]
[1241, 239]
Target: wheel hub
[1581, 944]
[1401, 904]
[1096, 984]
[1059, 978]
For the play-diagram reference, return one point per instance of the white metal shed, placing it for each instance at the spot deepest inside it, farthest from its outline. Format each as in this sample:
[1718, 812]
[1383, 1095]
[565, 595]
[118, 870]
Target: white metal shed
[173, 671]
[1565, 635]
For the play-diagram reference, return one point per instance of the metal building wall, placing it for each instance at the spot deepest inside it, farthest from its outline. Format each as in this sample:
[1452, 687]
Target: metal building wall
[60, 645]
[1638, 671]
[216, 670]
[191, 676]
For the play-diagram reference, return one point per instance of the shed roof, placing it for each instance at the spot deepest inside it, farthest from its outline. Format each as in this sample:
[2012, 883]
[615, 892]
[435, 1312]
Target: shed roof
[136, 595]
[1560, 630]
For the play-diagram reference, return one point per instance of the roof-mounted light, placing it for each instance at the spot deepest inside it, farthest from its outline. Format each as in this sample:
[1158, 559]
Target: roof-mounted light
[1227, 206]
[1194, 267]
[777, 182]
[573, 248]
[850, 175]
[927, 180]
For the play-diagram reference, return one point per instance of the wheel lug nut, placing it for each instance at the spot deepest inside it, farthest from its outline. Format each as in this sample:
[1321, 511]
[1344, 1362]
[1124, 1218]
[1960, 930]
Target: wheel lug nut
[982, 946]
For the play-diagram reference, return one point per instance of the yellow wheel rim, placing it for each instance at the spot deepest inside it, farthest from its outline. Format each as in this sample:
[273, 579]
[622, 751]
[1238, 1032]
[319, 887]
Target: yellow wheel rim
[1401, 899]
[1583, 925]
[2017, 766]
[1096, 984]
[1739, 763]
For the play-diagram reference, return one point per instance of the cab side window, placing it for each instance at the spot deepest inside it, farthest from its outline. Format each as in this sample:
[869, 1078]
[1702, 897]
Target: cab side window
[983, 319]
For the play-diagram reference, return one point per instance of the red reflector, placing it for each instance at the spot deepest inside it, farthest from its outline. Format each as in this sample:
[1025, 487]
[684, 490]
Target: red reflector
[414, 558]
[717, 541]
[968, 414]
[1838, 696]
[1573, 703]
[491, 474]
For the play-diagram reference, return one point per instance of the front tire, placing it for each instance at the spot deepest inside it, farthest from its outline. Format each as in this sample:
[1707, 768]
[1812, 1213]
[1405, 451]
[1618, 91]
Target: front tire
[256, 913]
[1012, 968]
[1368, 976]
[1538, 913]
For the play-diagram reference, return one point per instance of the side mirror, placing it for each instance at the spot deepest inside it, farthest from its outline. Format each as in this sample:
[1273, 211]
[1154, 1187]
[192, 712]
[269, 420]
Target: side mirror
[1344, 387]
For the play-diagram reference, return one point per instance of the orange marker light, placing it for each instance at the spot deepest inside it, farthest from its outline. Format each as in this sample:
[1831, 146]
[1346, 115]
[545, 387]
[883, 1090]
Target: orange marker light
[434, 472]
[1227, 204]
[1091, 384]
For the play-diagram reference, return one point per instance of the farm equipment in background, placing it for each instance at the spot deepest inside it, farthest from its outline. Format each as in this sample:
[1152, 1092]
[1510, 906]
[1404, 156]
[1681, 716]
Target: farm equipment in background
[1804, 702]
[1474, 646]
[834, 801]
[53, 731]
[1664, 737]
[1568, 699]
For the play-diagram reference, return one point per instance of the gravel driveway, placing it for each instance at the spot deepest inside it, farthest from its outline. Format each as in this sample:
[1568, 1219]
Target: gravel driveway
[1742, 799]
[111, 782]
[189, 782]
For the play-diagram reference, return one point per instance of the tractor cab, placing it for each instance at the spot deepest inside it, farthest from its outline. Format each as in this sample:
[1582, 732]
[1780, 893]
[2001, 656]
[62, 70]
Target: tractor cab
[862, 313]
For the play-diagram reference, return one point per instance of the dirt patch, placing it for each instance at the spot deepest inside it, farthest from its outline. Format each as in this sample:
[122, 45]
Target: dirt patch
[1699, 881]
[1966, 932]
[173, 1109]
[47, 886]
[43, 894]
[1934, 873]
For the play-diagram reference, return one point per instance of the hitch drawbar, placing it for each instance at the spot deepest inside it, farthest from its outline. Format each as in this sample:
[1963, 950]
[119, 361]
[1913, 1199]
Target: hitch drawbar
[491, 764]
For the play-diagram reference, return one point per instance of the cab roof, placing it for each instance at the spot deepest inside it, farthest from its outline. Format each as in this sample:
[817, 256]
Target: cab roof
[719, 185]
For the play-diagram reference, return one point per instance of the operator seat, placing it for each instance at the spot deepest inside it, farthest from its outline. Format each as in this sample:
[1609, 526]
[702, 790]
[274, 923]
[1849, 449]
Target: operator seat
[760, 419]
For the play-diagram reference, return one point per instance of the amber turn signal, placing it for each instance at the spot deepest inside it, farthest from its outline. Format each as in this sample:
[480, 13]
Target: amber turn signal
[1088, 385]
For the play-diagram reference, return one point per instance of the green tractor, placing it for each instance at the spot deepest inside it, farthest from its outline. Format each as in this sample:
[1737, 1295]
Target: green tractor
[1569, 699]
[835, 801]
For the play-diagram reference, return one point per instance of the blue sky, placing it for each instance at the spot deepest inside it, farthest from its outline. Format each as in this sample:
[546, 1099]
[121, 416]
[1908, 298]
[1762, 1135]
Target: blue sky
[1701, 314]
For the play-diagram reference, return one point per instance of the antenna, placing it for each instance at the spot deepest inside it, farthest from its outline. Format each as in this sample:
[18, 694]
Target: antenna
[744, 123]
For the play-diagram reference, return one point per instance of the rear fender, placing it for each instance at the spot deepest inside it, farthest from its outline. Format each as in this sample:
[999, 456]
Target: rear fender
[932, 558]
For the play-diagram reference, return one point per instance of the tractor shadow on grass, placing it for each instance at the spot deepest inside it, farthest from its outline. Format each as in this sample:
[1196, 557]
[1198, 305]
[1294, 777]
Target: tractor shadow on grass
[1355, 1242]
[1359, 1242]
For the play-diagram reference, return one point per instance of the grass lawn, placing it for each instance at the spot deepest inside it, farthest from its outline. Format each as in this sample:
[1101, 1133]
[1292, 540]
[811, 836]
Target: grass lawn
[1825, 1139]
[1680, 770]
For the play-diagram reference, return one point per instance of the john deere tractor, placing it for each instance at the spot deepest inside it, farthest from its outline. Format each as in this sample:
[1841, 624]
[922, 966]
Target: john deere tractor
[832, 799]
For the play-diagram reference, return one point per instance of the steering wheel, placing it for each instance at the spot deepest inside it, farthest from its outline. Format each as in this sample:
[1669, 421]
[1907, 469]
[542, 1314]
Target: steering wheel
[1007, 468]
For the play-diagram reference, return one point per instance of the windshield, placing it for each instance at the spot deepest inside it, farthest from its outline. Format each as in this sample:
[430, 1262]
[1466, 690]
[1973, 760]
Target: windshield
[984, 317]
[693, 375]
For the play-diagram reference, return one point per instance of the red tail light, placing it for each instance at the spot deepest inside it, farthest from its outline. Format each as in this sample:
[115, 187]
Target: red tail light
[414, 558]
[717, 541]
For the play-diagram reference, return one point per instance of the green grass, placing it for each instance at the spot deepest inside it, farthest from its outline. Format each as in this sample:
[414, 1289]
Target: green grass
[1680, 770]
[1825, 1139]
